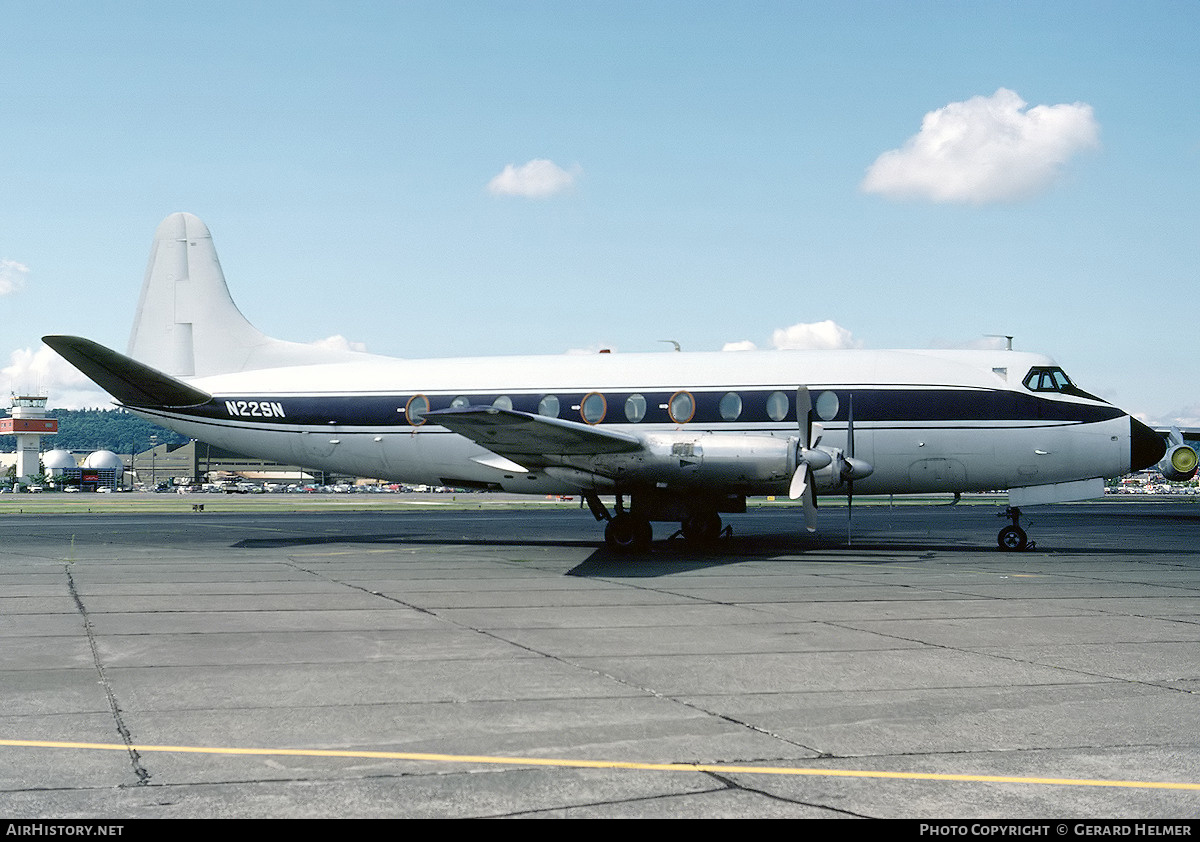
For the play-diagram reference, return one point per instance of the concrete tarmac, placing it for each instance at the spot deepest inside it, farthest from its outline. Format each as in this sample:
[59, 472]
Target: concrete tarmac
[440, 662]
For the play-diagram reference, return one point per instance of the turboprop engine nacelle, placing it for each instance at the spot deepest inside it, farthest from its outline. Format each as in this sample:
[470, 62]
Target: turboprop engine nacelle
[710, 458]
[1179, 463]
[841, 469]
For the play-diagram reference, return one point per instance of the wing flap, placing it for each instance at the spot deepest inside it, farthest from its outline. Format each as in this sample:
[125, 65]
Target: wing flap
[129, 381]
[525, 437]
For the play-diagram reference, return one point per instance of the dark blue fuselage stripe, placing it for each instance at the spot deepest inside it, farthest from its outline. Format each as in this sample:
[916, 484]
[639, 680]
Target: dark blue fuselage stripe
[875, 406]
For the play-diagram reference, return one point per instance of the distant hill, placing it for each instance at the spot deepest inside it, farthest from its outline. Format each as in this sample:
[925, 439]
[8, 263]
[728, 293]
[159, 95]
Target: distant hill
[100, 429]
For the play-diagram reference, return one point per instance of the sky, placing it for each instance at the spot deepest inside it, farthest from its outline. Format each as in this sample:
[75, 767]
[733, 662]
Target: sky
[430, 179]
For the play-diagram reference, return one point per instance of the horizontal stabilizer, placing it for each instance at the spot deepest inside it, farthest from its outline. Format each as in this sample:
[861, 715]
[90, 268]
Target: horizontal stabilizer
[129, 381]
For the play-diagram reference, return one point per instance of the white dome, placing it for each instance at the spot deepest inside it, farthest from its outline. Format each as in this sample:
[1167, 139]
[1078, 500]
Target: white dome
[104, 459]
[57, 460]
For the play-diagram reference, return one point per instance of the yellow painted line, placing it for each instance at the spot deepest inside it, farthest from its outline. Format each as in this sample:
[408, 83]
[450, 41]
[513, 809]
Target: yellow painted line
[605, 764]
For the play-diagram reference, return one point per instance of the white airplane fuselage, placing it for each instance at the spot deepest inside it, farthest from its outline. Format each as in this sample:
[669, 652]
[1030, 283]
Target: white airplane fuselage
[928, 421]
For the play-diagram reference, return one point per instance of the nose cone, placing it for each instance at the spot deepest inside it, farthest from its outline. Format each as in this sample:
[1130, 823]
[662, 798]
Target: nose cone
[1146, 447]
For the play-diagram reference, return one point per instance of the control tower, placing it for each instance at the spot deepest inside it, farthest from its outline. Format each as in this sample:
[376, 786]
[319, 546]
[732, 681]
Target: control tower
[28, 422]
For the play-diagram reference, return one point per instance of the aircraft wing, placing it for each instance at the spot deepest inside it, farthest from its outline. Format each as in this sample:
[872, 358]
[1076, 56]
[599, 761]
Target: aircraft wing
[527, 438]
[1188, 435]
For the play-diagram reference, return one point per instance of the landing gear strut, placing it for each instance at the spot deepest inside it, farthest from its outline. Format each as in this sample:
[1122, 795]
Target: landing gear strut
[625, 532]
[1013, 538]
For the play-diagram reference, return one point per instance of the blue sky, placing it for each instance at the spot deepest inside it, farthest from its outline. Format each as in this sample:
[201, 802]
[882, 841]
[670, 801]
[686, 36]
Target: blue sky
[434, 179]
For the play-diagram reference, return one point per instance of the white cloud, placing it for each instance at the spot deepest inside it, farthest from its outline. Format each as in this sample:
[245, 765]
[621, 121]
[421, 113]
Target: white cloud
[12, 276]
[337, 342]
[805, 336]
[1186, 417]
[44, 372]
[814, 336]
[987, 149]
[537, 179]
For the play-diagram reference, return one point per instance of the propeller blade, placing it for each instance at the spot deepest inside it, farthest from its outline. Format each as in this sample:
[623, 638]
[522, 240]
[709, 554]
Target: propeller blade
[848, 465]
[804, 414]
[810, 509]
[850, 425]
[799, 482]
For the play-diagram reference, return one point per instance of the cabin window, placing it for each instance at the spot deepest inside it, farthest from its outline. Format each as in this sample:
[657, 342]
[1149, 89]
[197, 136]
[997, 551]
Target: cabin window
[460, 402]
[502, 402]
[777, 406]
[548, 406]
[415, 409]
[635, 408]
[731, 406]
[681, 407]
[593, 407]
[827, 406]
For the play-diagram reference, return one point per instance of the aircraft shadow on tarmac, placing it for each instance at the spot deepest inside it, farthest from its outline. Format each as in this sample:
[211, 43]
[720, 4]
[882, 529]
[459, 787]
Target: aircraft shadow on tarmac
[664, 556]
[667, 557]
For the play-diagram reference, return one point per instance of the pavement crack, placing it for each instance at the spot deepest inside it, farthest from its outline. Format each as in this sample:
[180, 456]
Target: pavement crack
[140, 772]
[730, 783]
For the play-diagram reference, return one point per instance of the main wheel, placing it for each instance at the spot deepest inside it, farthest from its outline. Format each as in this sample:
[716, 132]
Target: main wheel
[702, 527]
[1012, 539]
[628, 533]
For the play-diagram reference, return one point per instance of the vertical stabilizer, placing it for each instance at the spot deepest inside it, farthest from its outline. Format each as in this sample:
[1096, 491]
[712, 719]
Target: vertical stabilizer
[187, 324]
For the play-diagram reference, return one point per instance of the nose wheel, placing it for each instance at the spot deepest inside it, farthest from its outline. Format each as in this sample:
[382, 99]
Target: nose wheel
[1013, 538]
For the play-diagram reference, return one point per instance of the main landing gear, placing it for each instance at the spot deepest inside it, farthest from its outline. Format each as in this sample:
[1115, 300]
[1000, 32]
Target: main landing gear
[1013, 538]
[629, 530]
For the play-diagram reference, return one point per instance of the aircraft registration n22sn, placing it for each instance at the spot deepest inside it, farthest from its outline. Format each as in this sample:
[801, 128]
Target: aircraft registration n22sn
[680, 437]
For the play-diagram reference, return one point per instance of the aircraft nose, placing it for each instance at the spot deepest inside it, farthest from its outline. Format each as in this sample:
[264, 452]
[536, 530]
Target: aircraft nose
[1146, 447]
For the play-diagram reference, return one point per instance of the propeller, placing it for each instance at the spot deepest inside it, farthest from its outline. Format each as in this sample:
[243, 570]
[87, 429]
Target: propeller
[849, 468]
[808, 459]
[848, 463]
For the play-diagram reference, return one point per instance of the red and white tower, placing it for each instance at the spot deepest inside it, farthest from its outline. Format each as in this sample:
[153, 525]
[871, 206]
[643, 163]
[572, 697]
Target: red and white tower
[28, 422]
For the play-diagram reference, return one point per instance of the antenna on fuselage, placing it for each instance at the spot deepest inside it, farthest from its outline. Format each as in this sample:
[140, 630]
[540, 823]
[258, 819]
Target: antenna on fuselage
[672, 342]
[1008, 339]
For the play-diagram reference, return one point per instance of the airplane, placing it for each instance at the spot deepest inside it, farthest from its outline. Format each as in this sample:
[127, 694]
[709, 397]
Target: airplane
[684, 437]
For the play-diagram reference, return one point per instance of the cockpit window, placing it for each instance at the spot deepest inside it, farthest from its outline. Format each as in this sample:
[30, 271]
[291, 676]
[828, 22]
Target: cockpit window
[1047, 380]
[1053, 379]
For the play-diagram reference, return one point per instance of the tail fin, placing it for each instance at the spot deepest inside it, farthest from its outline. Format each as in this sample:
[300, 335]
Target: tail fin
[187, 324]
